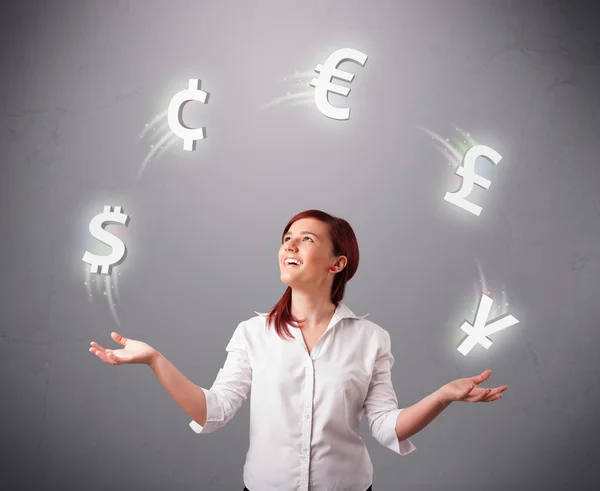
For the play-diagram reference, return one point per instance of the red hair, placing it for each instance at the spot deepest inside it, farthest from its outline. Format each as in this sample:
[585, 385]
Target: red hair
[344, 244]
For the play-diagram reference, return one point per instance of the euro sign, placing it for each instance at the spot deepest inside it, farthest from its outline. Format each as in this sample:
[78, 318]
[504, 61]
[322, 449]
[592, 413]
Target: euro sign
[467, 172]
[119, 250]
[323, 85]
[175, 110]
[478, 331]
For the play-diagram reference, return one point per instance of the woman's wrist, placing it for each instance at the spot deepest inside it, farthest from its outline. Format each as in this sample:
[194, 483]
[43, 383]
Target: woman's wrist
[443, 397]
[153, 359]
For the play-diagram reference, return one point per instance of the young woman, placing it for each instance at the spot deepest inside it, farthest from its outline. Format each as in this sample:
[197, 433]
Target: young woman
[314, 368]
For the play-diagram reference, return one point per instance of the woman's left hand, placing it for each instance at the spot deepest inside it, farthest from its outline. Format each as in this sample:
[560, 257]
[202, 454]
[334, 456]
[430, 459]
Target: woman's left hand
[466, 389]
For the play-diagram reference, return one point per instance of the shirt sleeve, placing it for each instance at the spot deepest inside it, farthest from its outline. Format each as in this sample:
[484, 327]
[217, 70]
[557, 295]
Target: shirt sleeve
[381, 403]
[231, 386]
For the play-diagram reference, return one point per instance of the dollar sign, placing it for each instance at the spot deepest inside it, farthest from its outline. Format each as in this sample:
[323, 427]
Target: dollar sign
[174, 114]
[323, 84]
[97, 230]
[467, 172]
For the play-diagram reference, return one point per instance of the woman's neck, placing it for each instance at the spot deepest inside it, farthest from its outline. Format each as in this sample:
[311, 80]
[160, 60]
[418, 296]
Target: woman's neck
[315, 311]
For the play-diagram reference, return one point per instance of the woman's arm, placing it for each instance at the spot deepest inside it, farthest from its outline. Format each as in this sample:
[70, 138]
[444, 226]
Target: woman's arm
[210, 409]
[186, 393]
[381, 403]
[416, 417]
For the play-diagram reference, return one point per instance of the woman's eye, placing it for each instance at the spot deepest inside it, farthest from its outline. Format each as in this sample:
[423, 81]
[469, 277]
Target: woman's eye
[306, 237]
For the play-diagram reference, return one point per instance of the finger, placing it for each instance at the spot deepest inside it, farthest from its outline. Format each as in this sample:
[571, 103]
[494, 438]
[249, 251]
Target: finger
[114, 357]
[485, 394]
[482, 376]
[115, 354]
[468, 390]
[103, 356]
[493, 396]
[495, 391]
[118, 338]
[482, 395]
[96, 346]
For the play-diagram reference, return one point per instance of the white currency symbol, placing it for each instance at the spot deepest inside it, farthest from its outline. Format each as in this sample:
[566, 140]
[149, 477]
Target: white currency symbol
[97, 230]
[323, 84]
[467, 172]
[174, 114]
[478, 331]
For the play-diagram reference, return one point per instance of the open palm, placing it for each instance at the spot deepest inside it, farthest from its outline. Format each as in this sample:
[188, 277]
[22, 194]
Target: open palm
[467, 390]
[132, 352]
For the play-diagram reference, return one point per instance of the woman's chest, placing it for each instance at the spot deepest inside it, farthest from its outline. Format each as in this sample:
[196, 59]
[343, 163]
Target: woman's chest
[312, 336]
[336, 369]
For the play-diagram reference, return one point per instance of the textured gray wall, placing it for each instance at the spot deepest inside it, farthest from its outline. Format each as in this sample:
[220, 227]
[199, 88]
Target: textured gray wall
[80, 80]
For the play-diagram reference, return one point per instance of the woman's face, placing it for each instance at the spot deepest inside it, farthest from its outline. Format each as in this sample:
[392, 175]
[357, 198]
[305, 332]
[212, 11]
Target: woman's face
[307, 240]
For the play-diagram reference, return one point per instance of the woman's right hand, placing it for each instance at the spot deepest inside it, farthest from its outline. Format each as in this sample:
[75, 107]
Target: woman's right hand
[133, 351]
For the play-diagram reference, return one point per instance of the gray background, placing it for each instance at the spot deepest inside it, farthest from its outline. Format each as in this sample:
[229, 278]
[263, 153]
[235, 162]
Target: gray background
[81, 79]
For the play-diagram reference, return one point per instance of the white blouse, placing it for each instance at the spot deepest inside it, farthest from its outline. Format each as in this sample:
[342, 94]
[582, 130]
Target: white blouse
[305, 409]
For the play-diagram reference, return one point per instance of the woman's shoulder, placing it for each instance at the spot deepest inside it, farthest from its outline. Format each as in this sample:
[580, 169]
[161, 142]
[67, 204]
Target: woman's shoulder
[252, 325]
[373, 330]
[365, 323]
